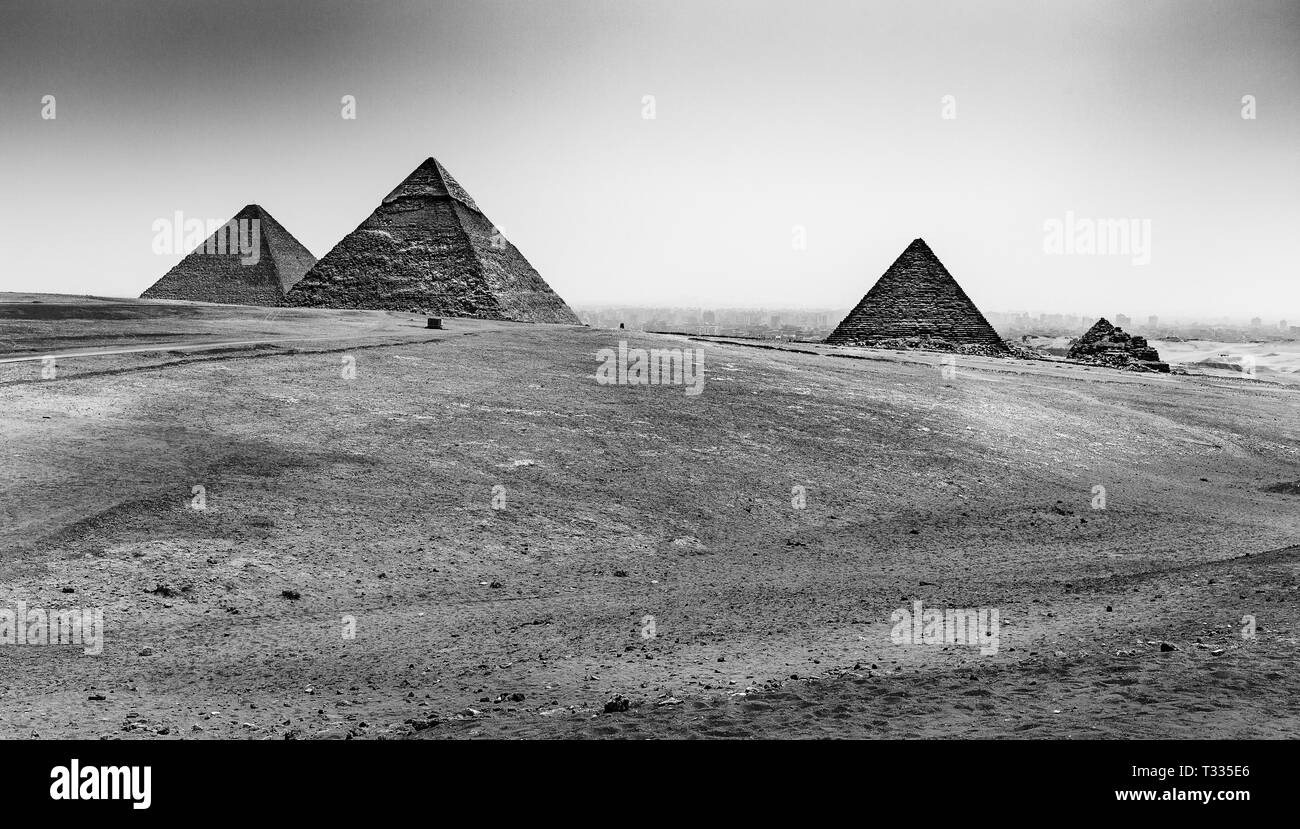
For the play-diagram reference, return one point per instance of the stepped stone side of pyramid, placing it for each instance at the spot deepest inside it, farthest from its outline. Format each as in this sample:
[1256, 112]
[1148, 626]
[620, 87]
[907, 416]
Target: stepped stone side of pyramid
[292, 259]
[1105, 344]
[428, 249]
[520, 290]
[412, 256]
[204, 276]
[918, 304]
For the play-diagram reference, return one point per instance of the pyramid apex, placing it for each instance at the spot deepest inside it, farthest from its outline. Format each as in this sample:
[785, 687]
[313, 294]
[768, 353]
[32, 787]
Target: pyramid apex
[431, 180]
[918, 247]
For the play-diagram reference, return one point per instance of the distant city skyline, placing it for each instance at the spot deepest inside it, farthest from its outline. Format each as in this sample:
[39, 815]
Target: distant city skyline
[1134, 317]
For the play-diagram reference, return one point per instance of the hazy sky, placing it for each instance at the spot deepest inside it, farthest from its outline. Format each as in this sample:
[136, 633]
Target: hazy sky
[769, 117]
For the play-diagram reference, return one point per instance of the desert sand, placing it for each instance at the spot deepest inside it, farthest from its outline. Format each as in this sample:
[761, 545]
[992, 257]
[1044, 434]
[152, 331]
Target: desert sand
[370, 499]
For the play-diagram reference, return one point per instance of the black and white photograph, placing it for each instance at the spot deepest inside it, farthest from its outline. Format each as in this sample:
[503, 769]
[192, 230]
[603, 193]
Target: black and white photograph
[526, 371]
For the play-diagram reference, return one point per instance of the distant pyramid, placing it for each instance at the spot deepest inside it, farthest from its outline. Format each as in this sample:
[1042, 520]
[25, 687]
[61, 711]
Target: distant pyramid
[1104, 343]
[428, 248]
[1101, 330]
[217, 272]
[916, 301]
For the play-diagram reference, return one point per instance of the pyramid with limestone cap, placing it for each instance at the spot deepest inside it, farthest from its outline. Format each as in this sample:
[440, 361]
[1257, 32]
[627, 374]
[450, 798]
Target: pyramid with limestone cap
[428, 248]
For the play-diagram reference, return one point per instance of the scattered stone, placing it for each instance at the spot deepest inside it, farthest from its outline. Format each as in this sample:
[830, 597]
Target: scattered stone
[1104, 344]
[617, 704]
[422, 725]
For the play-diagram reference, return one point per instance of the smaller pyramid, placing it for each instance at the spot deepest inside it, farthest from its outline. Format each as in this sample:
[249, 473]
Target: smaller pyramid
[1101, 330]
[1105, 344]
[428, 248]
[918, 304]
[217, 271]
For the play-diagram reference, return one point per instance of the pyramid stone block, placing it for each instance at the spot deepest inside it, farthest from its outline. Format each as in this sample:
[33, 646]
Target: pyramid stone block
[918, 304]
[428, 248]
[216, 271]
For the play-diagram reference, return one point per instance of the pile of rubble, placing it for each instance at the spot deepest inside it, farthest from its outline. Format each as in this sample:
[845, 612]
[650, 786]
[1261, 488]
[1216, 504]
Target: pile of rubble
[940, 344]
[1105, 344]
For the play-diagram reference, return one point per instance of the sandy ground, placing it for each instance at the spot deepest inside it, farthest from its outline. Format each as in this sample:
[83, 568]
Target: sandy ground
[1274, 361]
[370, 500]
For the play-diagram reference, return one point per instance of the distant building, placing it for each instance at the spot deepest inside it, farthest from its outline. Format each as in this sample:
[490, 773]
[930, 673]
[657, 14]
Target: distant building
[1153, 321]
[1256, 322]
[1282, 325]
[1122, 321]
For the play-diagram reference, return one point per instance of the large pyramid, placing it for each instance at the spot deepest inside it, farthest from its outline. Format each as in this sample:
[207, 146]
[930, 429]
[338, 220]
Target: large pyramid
[917, 304]
[216, 272]
[428, 248]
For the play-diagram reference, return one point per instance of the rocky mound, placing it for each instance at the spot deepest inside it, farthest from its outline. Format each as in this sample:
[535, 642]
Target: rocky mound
[940, 344]
[1104, 344]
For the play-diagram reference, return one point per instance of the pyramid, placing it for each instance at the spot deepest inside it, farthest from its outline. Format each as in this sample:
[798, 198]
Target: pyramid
[917, 304]
[206, 275]
[1105, 344]
[427, 248]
